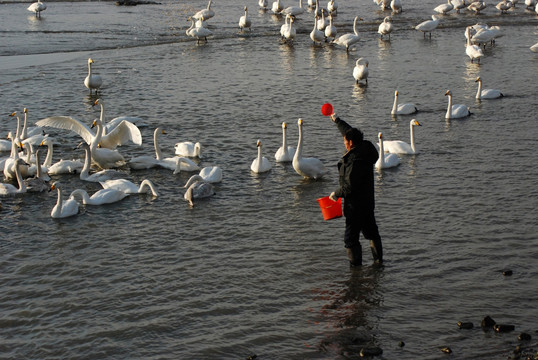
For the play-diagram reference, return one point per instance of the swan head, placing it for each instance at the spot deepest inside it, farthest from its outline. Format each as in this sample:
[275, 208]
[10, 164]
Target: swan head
[13, 114]
[284, 125]
[258, 143]
[396, 93]
[380, 136]
[245, 8]
[415, 122]
[97, 102]
[478, 79]
[448, 93]
[55, 185]
[25, 110]
[300, 122]
[90, 61]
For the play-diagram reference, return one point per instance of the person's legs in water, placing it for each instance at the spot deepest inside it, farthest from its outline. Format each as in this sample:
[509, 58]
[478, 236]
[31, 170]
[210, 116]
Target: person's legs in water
[351, 241]
[371, 232]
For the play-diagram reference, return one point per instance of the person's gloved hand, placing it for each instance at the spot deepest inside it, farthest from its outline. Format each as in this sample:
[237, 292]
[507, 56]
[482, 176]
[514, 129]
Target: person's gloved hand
[333, 196]
[333, 117]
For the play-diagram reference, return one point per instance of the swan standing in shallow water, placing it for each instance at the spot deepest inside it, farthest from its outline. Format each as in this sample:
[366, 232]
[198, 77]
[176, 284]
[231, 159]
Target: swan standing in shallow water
[244, 21]
[487, 93]
[129, 187]
[307, 167]
[401, 147]
[101, 197]
[92, 81]
[197, 188]
[428, 26]
[402, 109]
[8, 189]
[330, 29]
[385, 28]
[206, 13]
[473, 51]
[63, 208]
[284, 153]
[316, 35]
[349, 39]
[455, 111]
[385, 161]
[360, 71]
[396, 6]
[444, 8]
[198, 32]
[294, 10]
[37, 7]
[260, 164]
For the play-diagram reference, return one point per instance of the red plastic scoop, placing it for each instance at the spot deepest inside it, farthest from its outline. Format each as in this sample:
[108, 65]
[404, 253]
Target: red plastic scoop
[327, 109]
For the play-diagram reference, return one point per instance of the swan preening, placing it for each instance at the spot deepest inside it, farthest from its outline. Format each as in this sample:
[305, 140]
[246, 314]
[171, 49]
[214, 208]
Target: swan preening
[402, 109]
[260, 164]
[349, 39]
[428, 26]
[401, 147]
[92, 81]
[197, 30]
[487, 93]
[284, 153]
[37, 7]
[308, 167]
[385, 161]
[129, 187]
[63, 208]
[455, 111]
[360, 71]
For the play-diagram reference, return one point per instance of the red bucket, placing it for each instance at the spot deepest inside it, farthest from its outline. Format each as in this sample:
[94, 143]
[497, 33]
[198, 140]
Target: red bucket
[330, 209]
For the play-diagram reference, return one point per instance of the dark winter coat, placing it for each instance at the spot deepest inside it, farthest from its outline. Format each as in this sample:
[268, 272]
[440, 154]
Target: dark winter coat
[356, 175]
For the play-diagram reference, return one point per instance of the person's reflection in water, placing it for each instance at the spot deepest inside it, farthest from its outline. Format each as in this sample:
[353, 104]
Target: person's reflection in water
[347, 311]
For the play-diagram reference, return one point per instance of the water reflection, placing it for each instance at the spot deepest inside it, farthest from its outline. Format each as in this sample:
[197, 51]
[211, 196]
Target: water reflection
[287, 53]
[346, 309]
[359, 90]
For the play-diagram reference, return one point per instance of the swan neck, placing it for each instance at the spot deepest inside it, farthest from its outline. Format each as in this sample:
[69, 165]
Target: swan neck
[24, 133]
[158, 153]
[85, 172]
[18, 175]
[299, 150]
[48, 158]
[147, 184]
[381, 152]
[412, 137]
[479, 91]
[85, 197]
[355, 27]
[449, 108]
[39, 171]
[395, 105]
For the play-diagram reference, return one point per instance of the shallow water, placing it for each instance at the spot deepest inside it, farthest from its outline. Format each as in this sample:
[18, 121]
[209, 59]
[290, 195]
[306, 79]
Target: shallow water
[255, 269]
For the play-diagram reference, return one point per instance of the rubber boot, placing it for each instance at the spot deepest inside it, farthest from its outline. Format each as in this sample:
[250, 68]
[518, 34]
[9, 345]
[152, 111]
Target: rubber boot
[354, 255]
[377, 251]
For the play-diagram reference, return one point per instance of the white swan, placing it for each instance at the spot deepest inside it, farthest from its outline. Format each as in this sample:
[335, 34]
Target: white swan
[332, 6]
[147, 161]
[92, 81]
[8, 189]
[284, 153]
[179, 164]
[473, 51]
[99, 175]
[206, 13]
[129, 187]
[37, 7]
[455, 111]
[32, 135]
[385, 161]
[39, 182]
[402, 109]
[260, 164]
[396, 6]
[284, 27]
[63, 208]
[330, 30]
[360, 71]
[458, 5]
[294, 10]
[290, 31]
[10, 166]
[198, 32]
[428, 26]
[101, 197]
[197, 188]
[401, 147]
[487, 93]
[262, 4]
[244, 21]
[211, 174]
[476, 6]
[504, 6]
[316, 35]
[444, 8]
[307, 167]
[189, 149]
[349, 39]
[322, 23]
[277, 7]
[62, 166]
[385, 28]
[534, 48]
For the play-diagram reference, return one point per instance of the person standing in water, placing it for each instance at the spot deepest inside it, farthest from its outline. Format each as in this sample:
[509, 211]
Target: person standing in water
[356, 178]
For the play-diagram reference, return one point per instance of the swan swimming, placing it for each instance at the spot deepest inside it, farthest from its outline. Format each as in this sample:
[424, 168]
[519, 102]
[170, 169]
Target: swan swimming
[63, 208]
[401, 147]
[260, 164]
[101, 197]
[307, 167]
[189, 149]
[129, 187]
[62, 166]
[360, 71]
[284, 153]
[455, 111]
[98, 176]
[8, 189]
[197, 188]
[385, 161]
[349, 39]
[147, 161]
[428, 26]
[92, 81]
[39, 182]
[487, 93]
[402, 109]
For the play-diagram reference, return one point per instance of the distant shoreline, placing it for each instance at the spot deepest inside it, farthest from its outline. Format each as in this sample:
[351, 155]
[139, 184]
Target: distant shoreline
[137, 2]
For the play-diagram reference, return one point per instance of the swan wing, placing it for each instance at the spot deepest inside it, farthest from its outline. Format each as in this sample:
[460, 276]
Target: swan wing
[406, 109]
[122, 133]
[68, 123]
[312, 167]
[397, 147]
